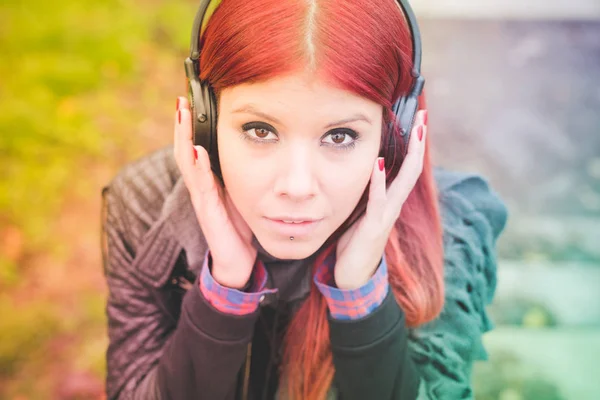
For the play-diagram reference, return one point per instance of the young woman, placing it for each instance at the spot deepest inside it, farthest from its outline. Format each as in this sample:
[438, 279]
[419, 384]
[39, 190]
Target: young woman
[326, 263]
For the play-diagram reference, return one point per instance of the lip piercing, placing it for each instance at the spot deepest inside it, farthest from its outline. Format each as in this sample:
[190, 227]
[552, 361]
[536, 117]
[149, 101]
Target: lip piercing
[291, 238]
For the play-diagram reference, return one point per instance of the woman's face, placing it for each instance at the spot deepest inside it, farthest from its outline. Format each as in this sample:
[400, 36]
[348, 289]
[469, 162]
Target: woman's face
[296, 148]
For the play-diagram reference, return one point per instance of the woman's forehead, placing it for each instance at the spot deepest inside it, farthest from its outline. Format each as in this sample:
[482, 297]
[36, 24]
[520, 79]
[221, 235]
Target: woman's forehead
[298, 93]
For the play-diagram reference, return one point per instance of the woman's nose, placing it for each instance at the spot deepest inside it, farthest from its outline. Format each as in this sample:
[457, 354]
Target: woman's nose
[295, 175]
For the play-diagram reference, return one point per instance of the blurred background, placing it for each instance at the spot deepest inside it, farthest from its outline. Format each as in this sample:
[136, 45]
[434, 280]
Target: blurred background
[514, 94]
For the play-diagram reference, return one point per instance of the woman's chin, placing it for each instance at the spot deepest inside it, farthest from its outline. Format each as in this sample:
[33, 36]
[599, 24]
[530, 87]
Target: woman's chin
[286, 249]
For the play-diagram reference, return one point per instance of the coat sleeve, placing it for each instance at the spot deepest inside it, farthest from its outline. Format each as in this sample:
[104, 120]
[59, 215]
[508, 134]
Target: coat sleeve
[445, 349]
[371, 355]
[149, 356]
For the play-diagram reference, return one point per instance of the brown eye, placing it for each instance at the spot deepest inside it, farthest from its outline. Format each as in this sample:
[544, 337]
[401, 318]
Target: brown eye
[338, 137]
[341, 138]
[261, 132]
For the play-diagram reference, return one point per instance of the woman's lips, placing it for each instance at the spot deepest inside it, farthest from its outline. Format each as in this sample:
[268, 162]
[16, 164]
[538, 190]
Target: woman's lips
[295, 229]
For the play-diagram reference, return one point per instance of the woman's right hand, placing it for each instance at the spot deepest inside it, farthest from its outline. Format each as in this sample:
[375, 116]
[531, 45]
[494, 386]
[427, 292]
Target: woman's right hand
[228, 236]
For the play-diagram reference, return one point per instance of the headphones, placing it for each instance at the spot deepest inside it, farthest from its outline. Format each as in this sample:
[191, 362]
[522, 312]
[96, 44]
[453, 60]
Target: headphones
[203, 106]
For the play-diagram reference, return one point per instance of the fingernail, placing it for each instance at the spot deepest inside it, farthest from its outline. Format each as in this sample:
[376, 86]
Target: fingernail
[195, 154]
[177, 106]
[425, 114]
[420, 132]
[179, 116]
[380, 161]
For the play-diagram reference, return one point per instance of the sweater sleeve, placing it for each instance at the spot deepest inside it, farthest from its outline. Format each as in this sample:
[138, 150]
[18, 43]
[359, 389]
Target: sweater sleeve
[445, 349]
[371, 355]
[148, 357]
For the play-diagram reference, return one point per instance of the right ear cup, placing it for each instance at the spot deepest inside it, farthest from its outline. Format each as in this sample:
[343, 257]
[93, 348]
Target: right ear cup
[203, 109]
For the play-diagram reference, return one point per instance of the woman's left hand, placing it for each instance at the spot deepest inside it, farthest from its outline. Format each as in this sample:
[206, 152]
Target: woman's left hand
[361, 247]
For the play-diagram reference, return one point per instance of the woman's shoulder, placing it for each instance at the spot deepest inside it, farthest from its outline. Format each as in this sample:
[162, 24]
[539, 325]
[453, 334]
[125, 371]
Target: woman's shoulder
[153, 172]
[462, 194]
[135, 196]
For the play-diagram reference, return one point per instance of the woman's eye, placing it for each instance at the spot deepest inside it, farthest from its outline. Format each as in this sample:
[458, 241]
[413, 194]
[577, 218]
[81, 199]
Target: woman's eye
[341, 138]
[258, 132]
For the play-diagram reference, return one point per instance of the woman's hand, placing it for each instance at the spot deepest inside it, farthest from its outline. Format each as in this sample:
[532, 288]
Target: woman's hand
[361, 247]
[228, 236]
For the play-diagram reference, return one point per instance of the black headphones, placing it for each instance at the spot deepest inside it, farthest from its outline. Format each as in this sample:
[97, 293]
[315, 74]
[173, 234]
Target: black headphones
[203, 104]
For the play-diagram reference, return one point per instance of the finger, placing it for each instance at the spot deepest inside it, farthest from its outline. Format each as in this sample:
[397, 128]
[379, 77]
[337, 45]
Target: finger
[183, 137]
[206, 197]
[377, 192]
[411, 166]
[202, 176]
[183, 102]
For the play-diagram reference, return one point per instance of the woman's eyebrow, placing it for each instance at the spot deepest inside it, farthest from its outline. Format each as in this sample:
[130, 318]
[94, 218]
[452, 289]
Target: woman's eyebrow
[251, 110]
[355, 117]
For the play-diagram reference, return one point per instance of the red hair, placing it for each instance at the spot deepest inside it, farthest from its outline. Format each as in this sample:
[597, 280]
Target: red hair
[363, 47]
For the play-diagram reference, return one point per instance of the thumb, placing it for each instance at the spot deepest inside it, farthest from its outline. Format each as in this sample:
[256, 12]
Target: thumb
[238, 221]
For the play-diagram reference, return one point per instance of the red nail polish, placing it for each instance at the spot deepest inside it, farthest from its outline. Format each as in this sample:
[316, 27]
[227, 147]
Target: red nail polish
[425, 114]
[177, 106]
[380, 161]
[179, 116]
[420, 132]
[195, 153]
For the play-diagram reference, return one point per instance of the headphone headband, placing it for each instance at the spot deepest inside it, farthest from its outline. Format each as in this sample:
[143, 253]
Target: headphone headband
[196, 28]
[408, 13]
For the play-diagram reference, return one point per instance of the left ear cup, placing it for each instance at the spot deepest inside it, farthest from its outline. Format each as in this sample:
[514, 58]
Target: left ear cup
[405, 110]
[406, 118]
[401, 117]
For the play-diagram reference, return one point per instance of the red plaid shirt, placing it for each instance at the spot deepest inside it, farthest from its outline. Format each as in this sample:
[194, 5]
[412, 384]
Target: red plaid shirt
[343, 304]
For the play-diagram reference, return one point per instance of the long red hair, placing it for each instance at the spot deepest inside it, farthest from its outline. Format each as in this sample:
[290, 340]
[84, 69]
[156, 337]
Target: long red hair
[364, 47]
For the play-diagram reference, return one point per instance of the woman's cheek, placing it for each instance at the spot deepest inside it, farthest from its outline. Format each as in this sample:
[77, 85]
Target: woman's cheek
[346, 194]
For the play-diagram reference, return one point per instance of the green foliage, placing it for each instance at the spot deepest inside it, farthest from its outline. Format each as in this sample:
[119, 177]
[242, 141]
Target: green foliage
[63, 66]
[23, 331]
[76, 80]
[505, 377]
[8, 272]
[522, 312]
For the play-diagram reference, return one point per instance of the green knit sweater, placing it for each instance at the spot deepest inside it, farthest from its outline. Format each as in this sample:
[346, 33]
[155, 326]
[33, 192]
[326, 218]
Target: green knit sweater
[445, 349]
